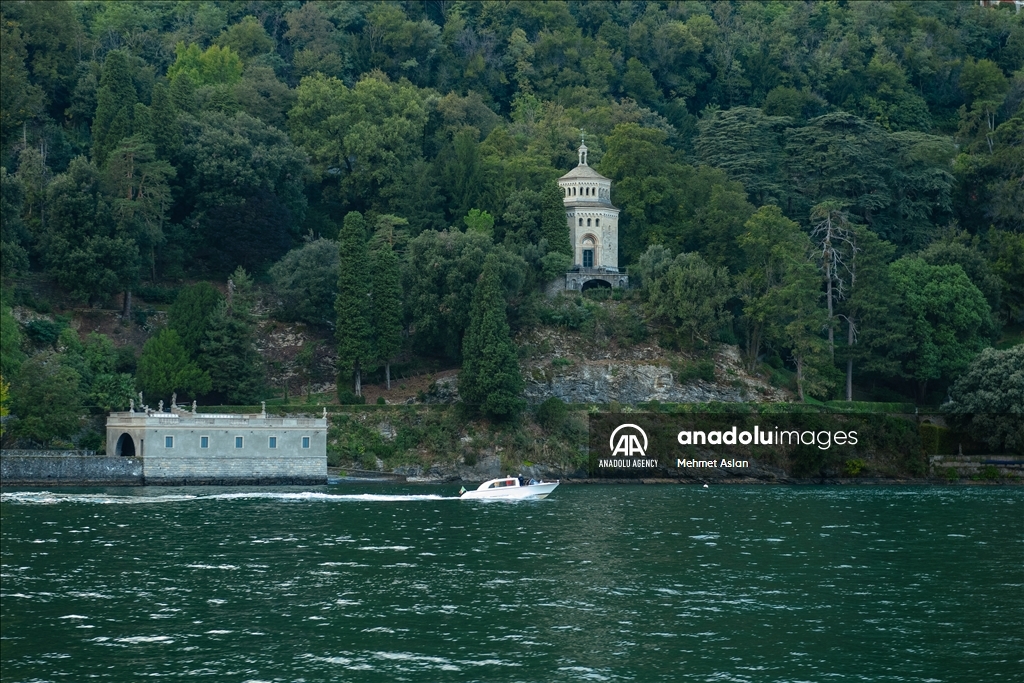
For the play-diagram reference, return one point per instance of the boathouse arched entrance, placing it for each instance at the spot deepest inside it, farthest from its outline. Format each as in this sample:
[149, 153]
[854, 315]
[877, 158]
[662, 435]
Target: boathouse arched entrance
[596, 284]
[125, 446]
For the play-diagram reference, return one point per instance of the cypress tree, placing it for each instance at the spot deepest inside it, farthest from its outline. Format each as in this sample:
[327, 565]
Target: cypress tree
[354, 330]
[552, 220]
[386, 299]
[490, 377]
[164, 132]
[115, 107]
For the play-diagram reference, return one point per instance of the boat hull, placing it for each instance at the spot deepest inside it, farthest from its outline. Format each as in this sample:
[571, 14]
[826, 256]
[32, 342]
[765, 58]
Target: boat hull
[534, 492]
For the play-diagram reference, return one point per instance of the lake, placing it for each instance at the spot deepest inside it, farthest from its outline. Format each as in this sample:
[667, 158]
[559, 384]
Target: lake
[596, 583]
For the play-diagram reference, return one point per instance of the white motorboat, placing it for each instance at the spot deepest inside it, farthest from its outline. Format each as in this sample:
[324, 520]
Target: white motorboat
[510, 488]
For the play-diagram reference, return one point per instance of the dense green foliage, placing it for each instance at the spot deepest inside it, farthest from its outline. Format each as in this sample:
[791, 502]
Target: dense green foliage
[490, 379]
[990, 397]
[354, 328]
[143, 145]
[165, 367]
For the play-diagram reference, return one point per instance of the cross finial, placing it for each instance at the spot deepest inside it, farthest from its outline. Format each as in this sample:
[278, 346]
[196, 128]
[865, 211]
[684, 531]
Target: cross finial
[583, 148]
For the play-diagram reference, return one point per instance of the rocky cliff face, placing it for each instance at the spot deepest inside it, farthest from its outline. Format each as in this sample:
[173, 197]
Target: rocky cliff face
[571, 368]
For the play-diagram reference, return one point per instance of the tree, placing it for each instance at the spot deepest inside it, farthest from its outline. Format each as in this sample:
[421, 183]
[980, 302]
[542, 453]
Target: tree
[247, 38]
[14, 236]
[692, 295]
[948, 317]
[84, 248]
[243, 190]
[306, 282]
[364, 137]
[652, 266]
[960, 249]
[112, 391]
[1006, 254]
[386, 303]
[479, 221]
[750, 147]
[317, 43]
[45, 399]
[354, 330]
[832, 235]
[165, 367]
[439, 276]
[138, 184]
[190, 315]
[490, 379]
[228, 353]
[214, 66]
[780, 291]
[164, 127]
[871, 322]
[20, 99]
[11, 356]
[115, 106]
[985, 84]
[989, 397]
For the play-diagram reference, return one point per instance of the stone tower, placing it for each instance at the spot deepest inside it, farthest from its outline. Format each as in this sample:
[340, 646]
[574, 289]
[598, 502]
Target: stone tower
[593, 228]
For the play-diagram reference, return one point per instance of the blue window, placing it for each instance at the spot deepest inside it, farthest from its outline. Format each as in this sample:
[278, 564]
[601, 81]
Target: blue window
[238, 442]
[305, 442]
[588, 258]
[168, 442]
[204, 442]
[273, 442]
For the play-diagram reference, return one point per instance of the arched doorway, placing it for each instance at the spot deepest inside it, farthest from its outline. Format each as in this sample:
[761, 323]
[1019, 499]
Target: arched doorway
[125, 446]
[596, 284]
[589, 256]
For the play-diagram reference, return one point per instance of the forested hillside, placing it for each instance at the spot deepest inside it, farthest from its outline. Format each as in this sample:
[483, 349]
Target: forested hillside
[836, 187]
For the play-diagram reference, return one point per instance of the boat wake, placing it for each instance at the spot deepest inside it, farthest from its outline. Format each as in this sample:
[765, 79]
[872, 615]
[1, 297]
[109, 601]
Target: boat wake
[49, 498]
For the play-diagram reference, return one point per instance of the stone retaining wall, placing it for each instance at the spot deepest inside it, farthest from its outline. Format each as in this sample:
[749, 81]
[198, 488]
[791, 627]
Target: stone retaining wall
[53, 468]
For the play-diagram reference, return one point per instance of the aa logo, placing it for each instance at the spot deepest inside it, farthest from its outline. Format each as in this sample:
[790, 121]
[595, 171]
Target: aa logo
[628, 442]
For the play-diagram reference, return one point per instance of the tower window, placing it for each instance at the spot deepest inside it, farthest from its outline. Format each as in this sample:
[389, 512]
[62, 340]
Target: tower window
[581, 222]
[597, 222]
[588, 222]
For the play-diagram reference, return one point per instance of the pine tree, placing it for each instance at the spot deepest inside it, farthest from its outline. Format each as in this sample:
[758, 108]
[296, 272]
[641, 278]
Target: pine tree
[229, 352]
[781, 293]
[190, 314]
[354, 330]
[490, 379]
[115, 107]
[165, 368]
[386, 299]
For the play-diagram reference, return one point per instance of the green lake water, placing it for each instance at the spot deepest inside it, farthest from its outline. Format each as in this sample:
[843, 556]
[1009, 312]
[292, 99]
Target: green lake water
[617, 583]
